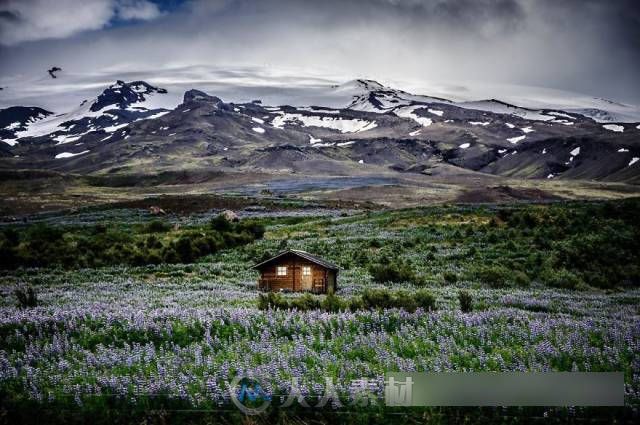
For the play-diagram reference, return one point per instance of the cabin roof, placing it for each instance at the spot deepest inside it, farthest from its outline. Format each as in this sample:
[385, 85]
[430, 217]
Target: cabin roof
[302, 254]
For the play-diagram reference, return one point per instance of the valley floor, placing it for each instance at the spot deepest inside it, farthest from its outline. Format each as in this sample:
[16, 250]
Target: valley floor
[29, 192]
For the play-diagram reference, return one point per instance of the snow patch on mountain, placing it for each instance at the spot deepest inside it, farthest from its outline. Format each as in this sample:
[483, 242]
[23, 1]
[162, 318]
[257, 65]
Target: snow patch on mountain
[409, 112]
[614, 127]
[515, 140]
[69, 154]
[335, 123]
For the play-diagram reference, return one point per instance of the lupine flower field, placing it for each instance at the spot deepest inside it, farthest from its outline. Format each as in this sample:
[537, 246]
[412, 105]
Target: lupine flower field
[172, 336]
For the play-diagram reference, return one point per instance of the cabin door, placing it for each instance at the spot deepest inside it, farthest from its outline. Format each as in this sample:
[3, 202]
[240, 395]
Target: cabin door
[306, 278]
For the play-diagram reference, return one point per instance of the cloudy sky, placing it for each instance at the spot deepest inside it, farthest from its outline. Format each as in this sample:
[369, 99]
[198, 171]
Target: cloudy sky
[586, 46]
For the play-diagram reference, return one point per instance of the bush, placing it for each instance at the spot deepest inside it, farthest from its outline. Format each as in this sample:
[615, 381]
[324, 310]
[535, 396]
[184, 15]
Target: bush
[393, 271]
[375, 243]
[263, 302]
[253, 227]
[371, 299]
[382, 298]
[26, 297]
[272, 300]
[153, 242]
[425, 299]
[185, 249]
[220, 223]
[404, 300]
[376, 298]
[356, 304]
[157, 226]
[494, 276]
[466, 302]
[561, 279]
[450, 277]
[520, 278]
[43, 245]
[332, 303]
[306, 302]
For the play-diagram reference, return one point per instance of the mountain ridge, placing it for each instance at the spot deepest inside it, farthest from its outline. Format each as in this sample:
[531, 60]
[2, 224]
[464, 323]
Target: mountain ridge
[380, 129]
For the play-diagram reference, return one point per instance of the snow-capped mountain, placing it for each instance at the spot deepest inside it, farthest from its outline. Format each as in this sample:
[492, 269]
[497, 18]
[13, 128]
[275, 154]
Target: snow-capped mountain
[114, 108]
[294, 87]
[16, 119]
[357, 125]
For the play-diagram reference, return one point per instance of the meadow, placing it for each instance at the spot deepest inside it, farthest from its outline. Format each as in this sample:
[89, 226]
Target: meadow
[546, 287]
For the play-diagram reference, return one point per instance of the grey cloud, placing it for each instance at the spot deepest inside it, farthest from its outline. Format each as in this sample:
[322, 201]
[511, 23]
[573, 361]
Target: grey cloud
[29, 20]
[589, 46]
[137, 9]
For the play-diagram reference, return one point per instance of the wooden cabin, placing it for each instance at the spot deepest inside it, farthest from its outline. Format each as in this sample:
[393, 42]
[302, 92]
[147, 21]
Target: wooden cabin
[297, 271]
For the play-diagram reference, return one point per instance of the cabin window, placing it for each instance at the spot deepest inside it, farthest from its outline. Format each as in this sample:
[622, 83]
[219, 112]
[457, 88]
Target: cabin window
[281, 271]
[306, 271]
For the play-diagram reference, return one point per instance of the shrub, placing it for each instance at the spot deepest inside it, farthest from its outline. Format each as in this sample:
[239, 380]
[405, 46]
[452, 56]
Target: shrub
[425, 299]
[306, 302]
[272, 300]
[185, 249]
[263, 302]
[466, 302]
[43, 245]
[382, 298]
[169, 255]
[11, 235]
[264, 257]
[393, 271]
[404, 300]
[153, 242]
[450, 277]
[332, 303]
[561, 279]
[375, 243]
[371, 299]
[356, 304]
[520, 278]
[26, 297]
[153, 257]
[253, 227]
[376, 298]
[220, 223]
[494, 276]
[157, 226]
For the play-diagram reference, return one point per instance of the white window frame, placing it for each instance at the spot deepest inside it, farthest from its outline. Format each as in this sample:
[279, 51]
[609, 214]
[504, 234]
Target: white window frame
[306, 270]
[281, 270]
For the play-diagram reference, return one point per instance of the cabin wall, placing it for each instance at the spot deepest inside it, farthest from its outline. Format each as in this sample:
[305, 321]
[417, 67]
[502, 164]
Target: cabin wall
[293, 280]
[332, 278]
